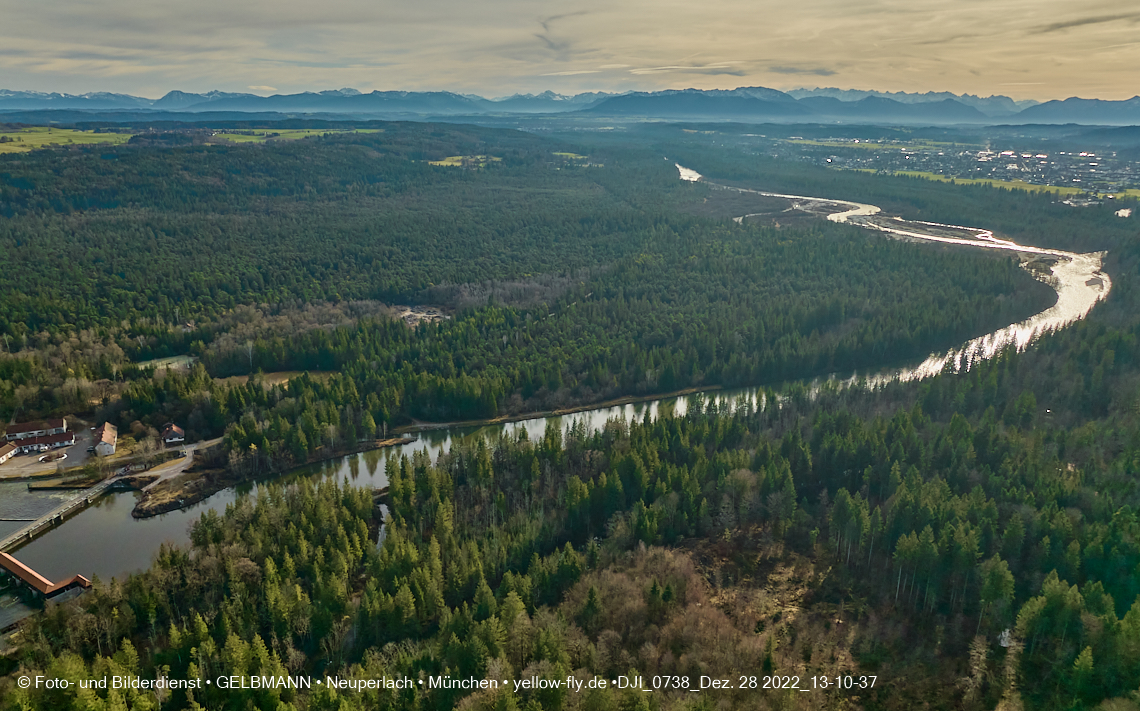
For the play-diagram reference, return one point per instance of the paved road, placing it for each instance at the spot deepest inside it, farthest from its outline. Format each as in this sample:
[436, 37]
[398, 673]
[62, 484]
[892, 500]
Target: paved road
[169, 470]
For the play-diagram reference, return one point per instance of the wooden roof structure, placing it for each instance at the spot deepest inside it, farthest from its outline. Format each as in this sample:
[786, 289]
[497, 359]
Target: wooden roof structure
[107, 434]
[37, 581]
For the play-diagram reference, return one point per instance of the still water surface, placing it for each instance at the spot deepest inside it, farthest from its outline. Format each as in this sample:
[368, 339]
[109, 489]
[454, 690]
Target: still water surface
[104, 539]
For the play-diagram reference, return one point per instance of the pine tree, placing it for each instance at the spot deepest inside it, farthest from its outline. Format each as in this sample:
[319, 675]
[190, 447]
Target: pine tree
[591, 610]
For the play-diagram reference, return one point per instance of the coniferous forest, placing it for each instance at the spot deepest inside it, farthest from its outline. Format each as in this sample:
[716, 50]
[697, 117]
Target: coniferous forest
[568, 283]
[969, 541]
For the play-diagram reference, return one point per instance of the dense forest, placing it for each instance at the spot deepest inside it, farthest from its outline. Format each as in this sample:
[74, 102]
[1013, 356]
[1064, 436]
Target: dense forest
[970, 540]
[913, 543]
[177, 234]
[568, 284]
[626, 338]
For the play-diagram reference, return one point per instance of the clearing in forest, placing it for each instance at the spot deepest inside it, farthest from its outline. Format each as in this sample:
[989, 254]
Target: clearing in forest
[460, 161]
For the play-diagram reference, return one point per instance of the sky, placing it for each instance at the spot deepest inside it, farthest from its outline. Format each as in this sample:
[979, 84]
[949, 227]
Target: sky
[1027, 49]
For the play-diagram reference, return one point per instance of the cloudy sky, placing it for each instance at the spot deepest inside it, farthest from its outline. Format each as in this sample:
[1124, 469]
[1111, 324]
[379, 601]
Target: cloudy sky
[1038, 49]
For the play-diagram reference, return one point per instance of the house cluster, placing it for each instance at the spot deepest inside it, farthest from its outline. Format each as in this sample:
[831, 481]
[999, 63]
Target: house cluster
[34, 437]
[25, 437]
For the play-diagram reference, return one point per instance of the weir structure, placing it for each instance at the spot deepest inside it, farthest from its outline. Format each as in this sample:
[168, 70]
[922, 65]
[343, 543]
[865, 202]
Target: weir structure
[29, 577]
[54, 516]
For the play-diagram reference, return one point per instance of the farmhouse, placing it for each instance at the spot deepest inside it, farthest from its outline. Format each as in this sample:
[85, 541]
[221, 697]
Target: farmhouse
[26, 430]
[106, 439]
[7, 451]
[173, 434]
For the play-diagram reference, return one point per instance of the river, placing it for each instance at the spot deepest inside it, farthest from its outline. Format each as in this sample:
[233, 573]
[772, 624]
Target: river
[104, 540]
[1078, 279]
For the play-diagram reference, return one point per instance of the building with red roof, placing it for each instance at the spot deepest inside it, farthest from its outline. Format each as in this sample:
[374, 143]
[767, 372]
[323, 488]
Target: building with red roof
[36, 581]
[28, 430]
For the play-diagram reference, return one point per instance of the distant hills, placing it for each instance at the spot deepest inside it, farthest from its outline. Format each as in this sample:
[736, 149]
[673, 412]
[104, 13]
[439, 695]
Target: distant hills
[547, 102]
[179, 100]
[350, 102]
[1087, 111]
[742, 104]
[992, 106]
[94, 101]
[336, 101]
[877, 109]
[824, 105]
[748, 102]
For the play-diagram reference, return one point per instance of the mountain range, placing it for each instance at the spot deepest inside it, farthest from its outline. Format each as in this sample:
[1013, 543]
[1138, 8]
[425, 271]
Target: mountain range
[993, 106]
[745, 103]
[334, 101]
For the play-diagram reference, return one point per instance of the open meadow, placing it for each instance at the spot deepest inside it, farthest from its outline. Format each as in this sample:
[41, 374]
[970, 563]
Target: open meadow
[26, 139]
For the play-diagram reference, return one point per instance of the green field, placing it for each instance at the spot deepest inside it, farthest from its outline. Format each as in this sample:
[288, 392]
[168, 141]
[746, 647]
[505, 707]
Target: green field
[1018, 184]
[29, 138]
[261, 136]
[570, 156]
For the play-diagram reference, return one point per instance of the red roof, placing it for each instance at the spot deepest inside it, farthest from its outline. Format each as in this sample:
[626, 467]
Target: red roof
[50, 440]
[20, 427]
[36, 580]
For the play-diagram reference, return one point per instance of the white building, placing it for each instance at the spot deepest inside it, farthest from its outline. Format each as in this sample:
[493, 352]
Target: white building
[106, 439]
[43, 444]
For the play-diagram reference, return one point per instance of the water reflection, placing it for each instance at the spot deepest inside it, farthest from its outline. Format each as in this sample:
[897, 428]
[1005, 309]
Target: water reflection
[104, 540]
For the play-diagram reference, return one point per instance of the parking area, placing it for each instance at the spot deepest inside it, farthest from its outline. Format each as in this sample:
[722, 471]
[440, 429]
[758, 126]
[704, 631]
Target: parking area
[26, 465]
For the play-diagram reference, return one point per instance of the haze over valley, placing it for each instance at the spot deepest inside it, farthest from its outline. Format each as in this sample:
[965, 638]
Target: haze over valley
[745, 103]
